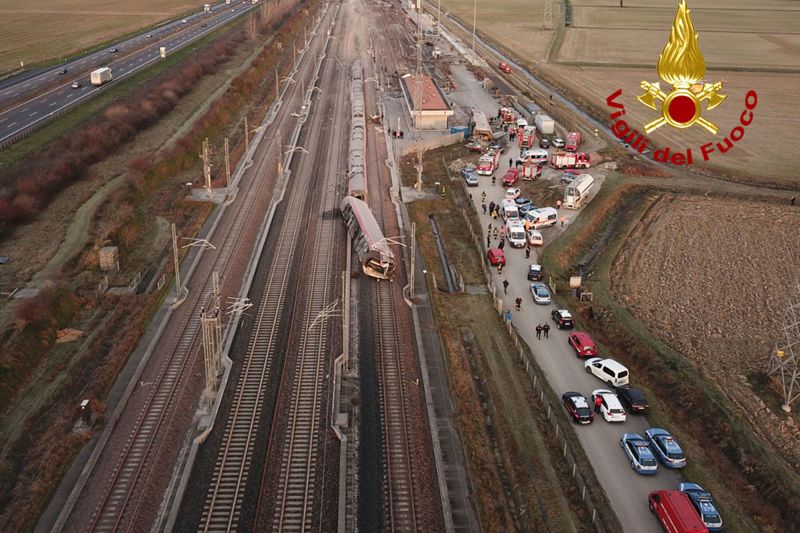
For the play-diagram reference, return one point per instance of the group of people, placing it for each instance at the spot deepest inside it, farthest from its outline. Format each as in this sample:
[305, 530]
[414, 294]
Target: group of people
[542, 328]
[397, 134]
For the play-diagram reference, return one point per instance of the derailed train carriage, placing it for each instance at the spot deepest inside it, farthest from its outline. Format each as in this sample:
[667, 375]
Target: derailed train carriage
[374, 254]
[357, 170]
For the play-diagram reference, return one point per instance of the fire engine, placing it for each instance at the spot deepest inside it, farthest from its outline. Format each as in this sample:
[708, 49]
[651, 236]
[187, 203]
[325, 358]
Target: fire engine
[487, 163]
[573, 140]
[530, 171]
[569, 160]
[527, 136]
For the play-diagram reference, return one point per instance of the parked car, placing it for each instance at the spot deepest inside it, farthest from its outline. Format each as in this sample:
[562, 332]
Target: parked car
[544, 143]
[113, 50]
[535, 237]
[703, 504]
[540, 292]
[535, 273]
[558, 143]
[511, 176]
[497, 147]
[513, 193]
[76, 85]
[577, 407]
[633, 399]
[582, 343]
[469, 168]
[666, 448]
[474, 146]
[471, 180]
[639, 454]
[607, 370]
[675, 512]
[562, 318]
[62, 71]
[610, 407]
[496, 256]
[524, 209]
[520, 201]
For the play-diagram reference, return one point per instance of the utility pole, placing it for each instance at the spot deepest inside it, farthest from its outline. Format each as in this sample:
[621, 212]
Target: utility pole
[474, 21]
[418, 98]
[785, 359]
[280, 152]
[227, 165]
[205, 156]
[178, 289]
[277, 84]
[246, 134]
[413, 261]
[210, 324]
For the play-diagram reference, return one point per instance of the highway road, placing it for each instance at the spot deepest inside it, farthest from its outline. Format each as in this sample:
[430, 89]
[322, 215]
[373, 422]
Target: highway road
[627, 491]
[27, 101]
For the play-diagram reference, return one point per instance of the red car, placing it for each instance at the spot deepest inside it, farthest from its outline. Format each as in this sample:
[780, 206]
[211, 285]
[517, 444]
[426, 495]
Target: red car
[496, 256]
[511, 177]
[583, 344]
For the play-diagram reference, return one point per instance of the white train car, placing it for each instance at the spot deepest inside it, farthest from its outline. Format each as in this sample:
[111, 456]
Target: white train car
[374, 254]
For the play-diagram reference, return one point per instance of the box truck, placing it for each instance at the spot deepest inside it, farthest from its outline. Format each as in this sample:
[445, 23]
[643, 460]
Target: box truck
[578, 191]
[100, 76]
[545, 124]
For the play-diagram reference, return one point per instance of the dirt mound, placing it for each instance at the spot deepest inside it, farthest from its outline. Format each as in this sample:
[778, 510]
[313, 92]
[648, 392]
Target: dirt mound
[710, 277]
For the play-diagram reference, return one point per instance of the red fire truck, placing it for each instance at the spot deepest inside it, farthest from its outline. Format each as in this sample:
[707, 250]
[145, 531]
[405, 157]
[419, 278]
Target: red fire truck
[487, 163]
[569, 160]
[573, 140]
[507, 115]
[527, 135]
[530, 171]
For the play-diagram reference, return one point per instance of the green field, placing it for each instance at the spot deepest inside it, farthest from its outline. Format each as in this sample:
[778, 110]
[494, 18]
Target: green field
[35, 31]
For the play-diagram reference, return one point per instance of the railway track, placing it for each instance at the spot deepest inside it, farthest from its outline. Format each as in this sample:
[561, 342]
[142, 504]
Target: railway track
[227, 491]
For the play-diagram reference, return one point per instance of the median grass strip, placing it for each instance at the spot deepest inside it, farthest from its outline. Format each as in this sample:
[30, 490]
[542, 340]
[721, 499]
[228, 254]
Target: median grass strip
[754, 487]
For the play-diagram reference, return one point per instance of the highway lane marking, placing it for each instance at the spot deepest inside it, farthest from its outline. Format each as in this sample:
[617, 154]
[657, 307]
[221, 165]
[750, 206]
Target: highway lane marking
[11, 124]
[3, 119]
[33, 113]
[52, 104]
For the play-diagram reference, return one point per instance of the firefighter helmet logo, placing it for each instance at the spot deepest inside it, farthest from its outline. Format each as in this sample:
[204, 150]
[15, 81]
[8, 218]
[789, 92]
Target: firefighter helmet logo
[682, 65]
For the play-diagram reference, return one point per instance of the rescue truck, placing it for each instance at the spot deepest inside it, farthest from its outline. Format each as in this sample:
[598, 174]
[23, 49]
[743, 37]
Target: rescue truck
[569, 160]
[573, 140]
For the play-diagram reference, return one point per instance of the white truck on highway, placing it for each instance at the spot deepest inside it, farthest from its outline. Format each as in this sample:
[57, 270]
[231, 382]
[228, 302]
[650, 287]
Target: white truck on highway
[544, 124]
[100, 76]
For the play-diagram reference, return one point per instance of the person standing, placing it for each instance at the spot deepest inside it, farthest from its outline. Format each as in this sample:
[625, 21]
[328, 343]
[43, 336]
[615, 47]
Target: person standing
[546, 330]
[510, 162]
[791, 201]
[501, 244]
[505, 286]
[491, 207]
[494, 180]
[558, 205]
[518, 301]
[483, 206]
[528, 252]
[598, 401]
[539, 332]
[563, 219]
[489, 240]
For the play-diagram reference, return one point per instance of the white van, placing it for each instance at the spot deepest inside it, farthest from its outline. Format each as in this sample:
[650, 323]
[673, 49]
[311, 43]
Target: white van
[516, 234]
[542, 217]
[607, 370]
[537, 156]
[509, 210]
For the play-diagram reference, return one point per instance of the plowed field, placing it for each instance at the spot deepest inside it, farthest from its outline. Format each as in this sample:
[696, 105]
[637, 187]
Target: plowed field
[710, 278]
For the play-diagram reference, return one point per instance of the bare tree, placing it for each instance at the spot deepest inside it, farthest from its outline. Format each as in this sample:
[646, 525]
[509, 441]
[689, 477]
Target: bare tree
[251, 27]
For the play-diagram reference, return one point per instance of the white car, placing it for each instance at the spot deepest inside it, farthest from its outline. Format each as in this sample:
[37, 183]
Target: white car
[558, 143]
[535, 238]
[540, 293]
[610, 407]
[607, 370]
[513, 193]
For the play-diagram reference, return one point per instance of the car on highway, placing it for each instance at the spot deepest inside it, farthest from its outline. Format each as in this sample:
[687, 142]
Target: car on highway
[578, 407]
[469, 168]
[513, 193]
[544, 143]
[184, 21]
[640, 456]
[562, 318]
[535, 272]
[703, 504]
[540, 292]
[511, 176]
[471, 180]
[203, 25]
[148, 36]
[496, 256]
[610, 407]
[113, 50]
[558, 143]
[62, 71]
[633, 399]
[75, 85]
[666, 448]
[607, 370]
[535, 237]
[582, 343]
